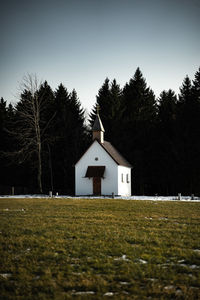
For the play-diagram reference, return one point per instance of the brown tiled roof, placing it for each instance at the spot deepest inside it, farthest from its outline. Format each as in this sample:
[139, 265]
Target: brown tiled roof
[95, 171]
[118, 158]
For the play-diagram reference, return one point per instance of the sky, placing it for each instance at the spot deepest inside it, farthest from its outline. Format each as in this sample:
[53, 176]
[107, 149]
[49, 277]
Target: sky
[81, 42]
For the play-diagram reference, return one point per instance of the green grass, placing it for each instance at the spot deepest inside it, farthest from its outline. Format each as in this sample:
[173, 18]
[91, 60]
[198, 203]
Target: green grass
[58, 248]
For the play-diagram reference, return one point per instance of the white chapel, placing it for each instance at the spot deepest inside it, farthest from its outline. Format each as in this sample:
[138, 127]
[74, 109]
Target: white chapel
[102, 170]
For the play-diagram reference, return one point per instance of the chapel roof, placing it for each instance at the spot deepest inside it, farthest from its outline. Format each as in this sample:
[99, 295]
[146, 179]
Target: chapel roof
[114, 153]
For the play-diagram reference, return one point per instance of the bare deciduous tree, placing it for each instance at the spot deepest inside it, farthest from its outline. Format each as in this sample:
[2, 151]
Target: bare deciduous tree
[29, 129]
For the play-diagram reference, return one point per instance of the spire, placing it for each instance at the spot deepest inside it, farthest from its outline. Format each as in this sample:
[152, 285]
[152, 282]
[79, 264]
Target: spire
[98, 130]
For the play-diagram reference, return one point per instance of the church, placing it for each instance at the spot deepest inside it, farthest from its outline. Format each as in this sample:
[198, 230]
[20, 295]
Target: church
[102, 170]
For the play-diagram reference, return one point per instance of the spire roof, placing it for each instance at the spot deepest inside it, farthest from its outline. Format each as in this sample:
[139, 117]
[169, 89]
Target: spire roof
[98, 126]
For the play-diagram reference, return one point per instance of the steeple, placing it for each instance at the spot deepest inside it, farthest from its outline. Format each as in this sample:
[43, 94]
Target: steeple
[97, 129]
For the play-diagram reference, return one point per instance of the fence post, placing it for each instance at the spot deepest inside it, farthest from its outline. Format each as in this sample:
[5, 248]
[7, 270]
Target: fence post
[13, 190]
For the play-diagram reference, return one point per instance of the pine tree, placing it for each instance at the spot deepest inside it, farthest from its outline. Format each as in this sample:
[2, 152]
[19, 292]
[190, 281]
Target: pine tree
[46, 120]
[3, 113]
[167, 155]
[188, 121]
[195, 132]
[138, 121]
[69, 138]
[167, 108]
[196, 86]
[3, 117]
[8, 170]
[109, 100]
[103, 100]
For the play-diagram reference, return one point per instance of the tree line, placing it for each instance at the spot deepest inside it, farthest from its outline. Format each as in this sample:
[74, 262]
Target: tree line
[45, 133]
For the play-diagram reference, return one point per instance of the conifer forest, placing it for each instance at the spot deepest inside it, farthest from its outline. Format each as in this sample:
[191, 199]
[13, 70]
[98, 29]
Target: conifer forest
[45, 133]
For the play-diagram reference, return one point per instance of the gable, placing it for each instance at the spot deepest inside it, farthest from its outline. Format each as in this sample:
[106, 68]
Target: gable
[95, 155]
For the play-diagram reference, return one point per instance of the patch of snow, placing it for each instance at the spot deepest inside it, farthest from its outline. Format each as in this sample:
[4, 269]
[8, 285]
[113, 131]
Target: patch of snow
[124, 283]
[179, 292]
[197, 251]
[151, 198]
[152, 279]
[109, 294]
[124, 258]
[194, 288]
[141, 261]
[190, 266]
[82, 293]
[169, 287]
[7, 209]
[6, 275]
[181, 261]
[193, 267]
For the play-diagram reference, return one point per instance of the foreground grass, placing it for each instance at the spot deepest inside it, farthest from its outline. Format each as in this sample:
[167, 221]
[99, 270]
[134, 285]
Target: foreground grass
[94, 249]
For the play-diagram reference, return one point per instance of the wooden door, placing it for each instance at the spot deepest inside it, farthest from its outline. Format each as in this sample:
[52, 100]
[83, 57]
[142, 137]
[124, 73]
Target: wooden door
[97, 186]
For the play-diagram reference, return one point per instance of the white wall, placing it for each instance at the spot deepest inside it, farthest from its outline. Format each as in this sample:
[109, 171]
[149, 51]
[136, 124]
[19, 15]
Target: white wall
[109, 185]
[124, 188]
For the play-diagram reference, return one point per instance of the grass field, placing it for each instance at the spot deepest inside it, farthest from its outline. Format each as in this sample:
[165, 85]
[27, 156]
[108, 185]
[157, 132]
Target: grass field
[99, 249]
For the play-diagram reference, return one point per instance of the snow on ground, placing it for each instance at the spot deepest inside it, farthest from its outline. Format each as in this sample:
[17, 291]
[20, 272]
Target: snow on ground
[151, 198]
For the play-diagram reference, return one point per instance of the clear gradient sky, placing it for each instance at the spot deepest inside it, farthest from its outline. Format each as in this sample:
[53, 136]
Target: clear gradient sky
[81, 42]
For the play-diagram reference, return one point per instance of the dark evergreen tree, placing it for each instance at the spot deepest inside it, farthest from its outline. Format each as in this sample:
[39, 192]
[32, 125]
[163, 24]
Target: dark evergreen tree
[196, 133]
[8, 173]
[69, 138]
[3, 116]
[139, 100]
[196, 86]
[109, 100]
[3, 113]
[167, 154]
[47, 115]
[137, 131]
[103, 100]
[188, 121]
